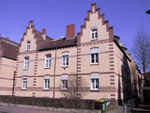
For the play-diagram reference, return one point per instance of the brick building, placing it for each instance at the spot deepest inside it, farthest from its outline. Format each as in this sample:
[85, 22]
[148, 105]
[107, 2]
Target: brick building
[8, 57]
[95, 54]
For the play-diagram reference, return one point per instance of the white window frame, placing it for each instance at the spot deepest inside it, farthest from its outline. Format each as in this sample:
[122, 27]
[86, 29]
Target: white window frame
[26, 63]
[28, 44]
[24, 83]
[47, 61]
[94, 34]
[94, 81]
[64, 86]
[65, 59]
[46, 84]
[94, 52]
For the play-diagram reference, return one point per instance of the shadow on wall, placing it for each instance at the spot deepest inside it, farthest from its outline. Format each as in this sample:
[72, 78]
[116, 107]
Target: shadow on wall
[129, 82]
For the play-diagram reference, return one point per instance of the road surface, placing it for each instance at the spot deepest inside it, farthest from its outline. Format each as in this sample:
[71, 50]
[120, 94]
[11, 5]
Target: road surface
[4, 109]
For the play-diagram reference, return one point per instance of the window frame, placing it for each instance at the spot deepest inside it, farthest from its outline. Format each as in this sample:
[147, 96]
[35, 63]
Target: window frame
[65, 59]
[64, 86]
[28, 45]
[24, 81]
[95, 77]
[94, 34]
[46, 83]
[94, 55]
[26, 63]
[47, 60]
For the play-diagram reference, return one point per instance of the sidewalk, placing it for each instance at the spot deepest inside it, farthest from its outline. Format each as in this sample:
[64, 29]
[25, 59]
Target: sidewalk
[118, 109]
[142, 108]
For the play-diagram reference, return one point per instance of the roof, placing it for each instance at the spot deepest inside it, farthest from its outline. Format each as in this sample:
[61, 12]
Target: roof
[9, 48]
[9, 51]
[64, 42]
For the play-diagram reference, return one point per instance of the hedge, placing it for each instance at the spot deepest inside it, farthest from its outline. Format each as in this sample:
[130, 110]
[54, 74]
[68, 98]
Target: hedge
[49, 102]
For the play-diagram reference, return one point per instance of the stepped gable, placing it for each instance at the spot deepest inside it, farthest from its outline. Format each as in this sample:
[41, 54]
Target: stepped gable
[38, 35]
[100, 16]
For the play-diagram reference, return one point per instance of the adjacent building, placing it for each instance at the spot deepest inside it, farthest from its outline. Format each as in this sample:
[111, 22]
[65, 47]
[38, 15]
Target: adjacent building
[8, 57]
[44, 65]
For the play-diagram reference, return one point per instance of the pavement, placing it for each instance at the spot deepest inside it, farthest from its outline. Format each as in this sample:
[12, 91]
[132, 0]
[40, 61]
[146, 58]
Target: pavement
[8, 109]
[119, 109]
[142, 108]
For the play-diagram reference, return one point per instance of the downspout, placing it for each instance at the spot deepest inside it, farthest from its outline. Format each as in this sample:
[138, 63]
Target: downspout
[13, 83]
[54, 72]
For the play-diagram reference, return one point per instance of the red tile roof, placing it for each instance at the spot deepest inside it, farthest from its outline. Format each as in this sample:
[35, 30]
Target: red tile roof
[9, 49]
[65, 42]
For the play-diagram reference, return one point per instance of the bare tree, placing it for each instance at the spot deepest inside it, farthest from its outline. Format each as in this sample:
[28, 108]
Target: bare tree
[76, 88]
[141, 50]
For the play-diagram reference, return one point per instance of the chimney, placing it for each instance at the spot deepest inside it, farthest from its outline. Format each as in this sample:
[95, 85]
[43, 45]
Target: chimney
[70, 32]
[0, 34]
[7, 38]
[44, 34]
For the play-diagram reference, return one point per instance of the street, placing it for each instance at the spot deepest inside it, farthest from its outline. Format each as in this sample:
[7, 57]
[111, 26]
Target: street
[4, 109]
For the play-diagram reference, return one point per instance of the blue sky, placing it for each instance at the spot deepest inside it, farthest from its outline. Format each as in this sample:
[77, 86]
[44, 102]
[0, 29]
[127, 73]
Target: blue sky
[126, 16]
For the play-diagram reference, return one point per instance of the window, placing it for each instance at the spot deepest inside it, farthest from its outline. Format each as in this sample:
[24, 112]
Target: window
[26, 63]
[24, 83]
[94, 34]
[28, 45]
[95, 81]
[48, 61]
[46, 83]
[65, 59]
[95, 56]
[64, 82]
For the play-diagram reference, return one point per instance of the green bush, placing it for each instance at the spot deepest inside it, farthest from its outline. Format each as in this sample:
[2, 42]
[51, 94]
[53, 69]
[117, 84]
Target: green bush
[49, 102]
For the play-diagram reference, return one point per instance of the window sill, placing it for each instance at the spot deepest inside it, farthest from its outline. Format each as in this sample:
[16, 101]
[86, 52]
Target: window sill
[94, 90]
[47, 68]
[64, 89]
[64, 66]
[45, 89]
[94, 64]
[25, 69]
[94, 39]
[23, 89]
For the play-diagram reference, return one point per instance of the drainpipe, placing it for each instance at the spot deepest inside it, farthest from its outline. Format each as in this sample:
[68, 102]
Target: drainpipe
[13, 83]
[54, 72]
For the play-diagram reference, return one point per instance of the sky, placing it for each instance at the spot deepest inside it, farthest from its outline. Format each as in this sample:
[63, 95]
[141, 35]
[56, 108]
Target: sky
[126, 16]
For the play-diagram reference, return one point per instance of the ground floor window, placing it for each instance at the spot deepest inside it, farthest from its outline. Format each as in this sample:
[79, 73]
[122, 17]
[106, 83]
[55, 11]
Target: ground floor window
[64, 82]
[24, 83]
[95, 81]
[46, 83]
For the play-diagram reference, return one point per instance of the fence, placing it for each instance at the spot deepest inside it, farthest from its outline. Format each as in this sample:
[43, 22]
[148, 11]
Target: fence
[127, 106]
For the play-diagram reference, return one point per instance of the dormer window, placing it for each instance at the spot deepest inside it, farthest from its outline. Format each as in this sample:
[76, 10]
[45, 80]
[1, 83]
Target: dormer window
[94, 34]
[28, 45]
